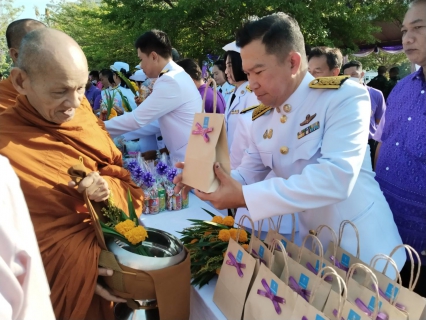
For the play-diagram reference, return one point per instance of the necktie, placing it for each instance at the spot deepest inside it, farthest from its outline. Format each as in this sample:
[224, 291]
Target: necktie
[220, 90]
[232, 99]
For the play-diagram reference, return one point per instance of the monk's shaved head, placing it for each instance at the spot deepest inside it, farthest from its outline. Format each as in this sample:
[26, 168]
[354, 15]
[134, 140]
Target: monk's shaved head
[18, 29]
[46, 48]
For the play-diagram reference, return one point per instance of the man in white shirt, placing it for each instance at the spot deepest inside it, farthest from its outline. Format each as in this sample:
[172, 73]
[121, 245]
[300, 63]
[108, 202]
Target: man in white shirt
[174, 99]
[24, 291]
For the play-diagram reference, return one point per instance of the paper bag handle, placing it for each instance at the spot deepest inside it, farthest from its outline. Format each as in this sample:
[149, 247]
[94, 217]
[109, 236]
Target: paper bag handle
[411, 250]
[374, 280]
[341, 229]
[321, 249]
[274, 243]
[240, 224]
[334, 235]
[343, 295]
[278, 226]
[210, 81]
[259, 228]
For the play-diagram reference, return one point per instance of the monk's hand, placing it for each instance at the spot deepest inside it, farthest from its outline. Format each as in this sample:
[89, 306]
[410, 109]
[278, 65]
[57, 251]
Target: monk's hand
[229, 194]
[96, 186]
[102, 291]
[179, 186]
[138, 100]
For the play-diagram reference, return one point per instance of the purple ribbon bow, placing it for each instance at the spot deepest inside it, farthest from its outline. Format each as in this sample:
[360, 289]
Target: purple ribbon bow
[368, 312]
[399, 306]
[202, 131]
[269, 294]
[314, 271]
[292, 283]
[233, 262]
[255, 253]
[335, 314]
[304, 318]
[339, 265]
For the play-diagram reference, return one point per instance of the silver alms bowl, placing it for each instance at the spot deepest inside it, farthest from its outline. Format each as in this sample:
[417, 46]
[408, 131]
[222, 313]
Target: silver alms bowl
[165, 249]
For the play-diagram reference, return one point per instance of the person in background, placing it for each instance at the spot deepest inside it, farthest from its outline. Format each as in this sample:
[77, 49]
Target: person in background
[94, 77]
[24, 290]
[393, 80]
[378, 105]
[93, 94]
[219, 76]
[401, 154]
[173, 101]
[14, 33]
[379, 82]
[175, 55]
[104, 77]
[324, 62]
[194, 71]
[139, 76]
[120, 84]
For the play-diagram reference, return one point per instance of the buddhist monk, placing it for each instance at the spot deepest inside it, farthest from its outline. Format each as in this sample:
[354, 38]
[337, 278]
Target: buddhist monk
[44, 134]
[14, 34]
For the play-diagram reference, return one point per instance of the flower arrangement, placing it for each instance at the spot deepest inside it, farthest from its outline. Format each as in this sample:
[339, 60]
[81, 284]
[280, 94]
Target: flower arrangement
[123, 227]
[207, 242]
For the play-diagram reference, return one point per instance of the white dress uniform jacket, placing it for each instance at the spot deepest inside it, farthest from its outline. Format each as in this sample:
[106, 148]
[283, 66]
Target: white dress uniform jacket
[24, 290]
[227, 90]
[322, 168]
[243, 99]
[173, 101]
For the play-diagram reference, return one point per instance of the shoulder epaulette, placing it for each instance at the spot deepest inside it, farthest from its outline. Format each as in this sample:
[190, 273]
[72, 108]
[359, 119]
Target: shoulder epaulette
[328, 82]
[259, 111]
[248, 88]
[163, 72]
[249, 109]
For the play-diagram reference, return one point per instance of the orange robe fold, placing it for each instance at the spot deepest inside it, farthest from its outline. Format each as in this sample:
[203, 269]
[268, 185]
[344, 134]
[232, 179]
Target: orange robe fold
[41, 153]
[8, 94]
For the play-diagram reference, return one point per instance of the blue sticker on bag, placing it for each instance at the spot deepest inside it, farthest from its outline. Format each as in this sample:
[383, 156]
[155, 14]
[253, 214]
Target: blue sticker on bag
[284, 243]
[239, 256]
[389, 291]
[318, 317]
[274, 287]
[353, 315]
[206, 122]
[372, 302]
[261, 251]
[317, 265]
[303, 281]
[345, 260]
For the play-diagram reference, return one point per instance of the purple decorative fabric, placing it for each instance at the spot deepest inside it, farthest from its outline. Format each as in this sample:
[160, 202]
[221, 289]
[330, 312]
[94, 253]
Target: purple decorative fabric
[221, 104]
[401, 167]
[378, 107]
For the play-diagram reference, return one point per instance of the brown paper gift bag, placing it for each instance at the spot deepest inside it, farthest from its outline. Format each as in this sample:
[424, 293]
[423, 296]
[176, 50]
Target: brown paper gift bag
[302, 280]
[207, 144]
[342, 259]
[402, 298]
[369, 301]
[274, 230]
[235, 277]
[170, 286]
[268, 286]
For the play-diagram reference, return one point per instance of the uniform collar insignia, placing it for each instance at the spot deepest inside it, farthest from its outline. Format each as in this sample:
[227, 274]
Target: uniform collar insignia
[308, 119]
[248, 88]
[328, 82]
[163, 72]
[259, 111]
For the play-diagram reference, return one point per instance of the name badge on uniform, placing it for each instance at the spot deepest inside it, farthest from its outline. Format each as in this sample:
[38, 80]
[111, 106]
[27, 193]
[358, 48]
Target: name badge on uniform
[308, 130]
[235, 111]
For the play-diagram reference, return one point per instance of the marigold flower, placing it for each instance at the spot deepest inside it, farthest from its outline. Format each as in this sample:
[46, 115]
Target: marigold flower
[233, 233]
[136, 235]
[245, 246]
[217, 219]
[218, 271]
[228, 221]
[124, 226]
[193, 241]
[243, 236]
[224, 235]
[207, 233]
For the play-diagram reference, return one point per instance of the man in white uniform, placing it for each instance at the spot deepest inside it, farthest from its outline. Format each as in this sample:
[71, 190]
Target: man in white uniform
[320, 161]
[174, 99]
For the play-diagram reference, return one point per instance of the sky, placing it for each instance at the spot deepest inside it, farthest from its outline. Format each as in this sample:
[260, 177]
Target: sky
[29, 7]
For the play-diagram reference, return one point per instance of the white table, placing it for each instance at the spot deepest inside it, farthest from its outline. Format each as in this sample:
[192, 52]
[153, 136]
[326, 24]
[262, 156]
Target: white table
[202, 305]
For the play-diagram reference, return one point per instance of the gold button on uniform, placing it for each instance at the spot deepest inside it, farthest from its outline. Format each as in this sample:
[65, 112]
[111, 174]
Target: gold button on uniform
[287, 108]
[283, 119]
[270, 133]
[284, 150]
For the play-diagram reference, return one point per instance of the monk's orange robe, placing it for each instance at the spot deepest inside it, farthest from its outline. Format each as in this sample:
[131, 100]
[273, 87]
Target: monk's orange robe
[8, 94]
[41, 153]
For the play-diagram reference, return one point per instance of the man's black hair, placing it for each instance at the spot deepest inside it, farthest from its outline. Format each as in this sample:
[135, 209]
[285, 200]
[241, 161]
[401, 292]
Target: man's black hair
[352, 63]
[333, 55]
[236, 65]
[382, 70]
[220, 64]
[94, 74]
[157, 41]
[191, 67]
